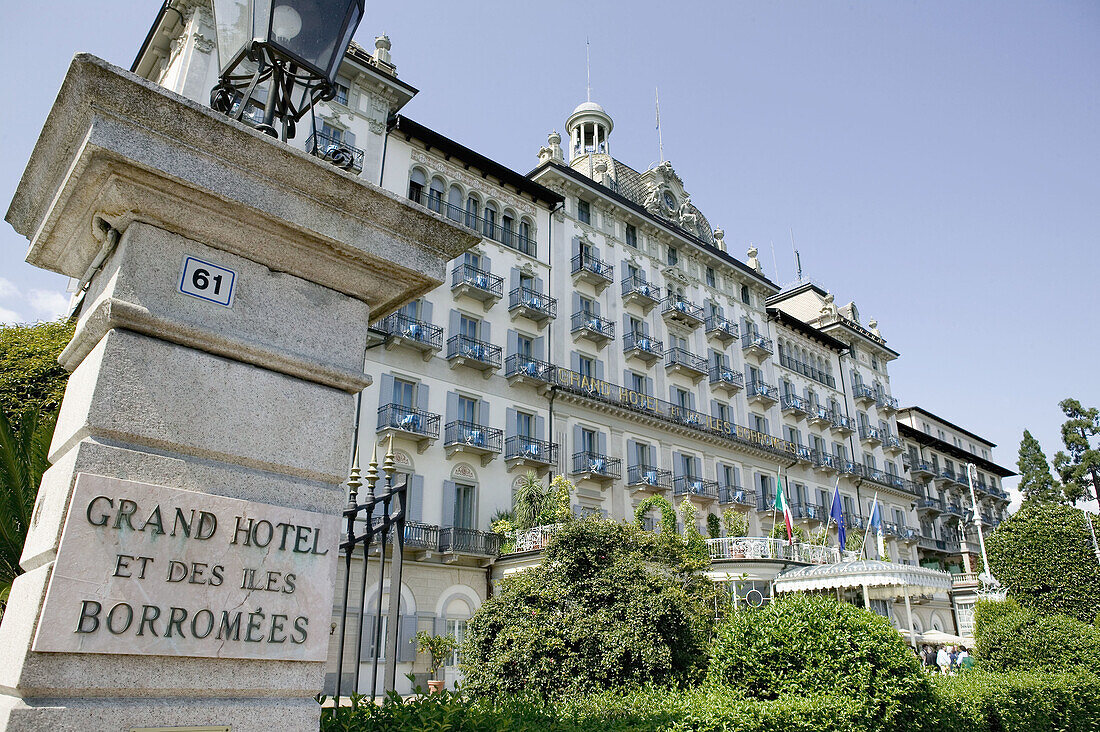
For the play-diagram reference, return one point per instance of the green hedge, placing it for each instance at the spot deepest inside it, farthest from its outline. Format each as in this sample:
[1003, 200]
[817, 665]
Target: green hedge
[1011, 637]
[975, 702]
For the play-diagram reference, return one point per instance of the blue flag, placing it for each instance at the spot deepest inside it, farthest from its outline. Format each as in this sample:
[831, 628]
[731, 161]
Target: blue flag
[836, 513]
[876, 517]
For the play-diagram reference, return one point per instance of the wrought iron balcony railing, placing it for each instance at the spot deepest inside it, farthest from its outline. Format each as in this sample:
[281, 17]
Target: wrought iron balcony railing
[756, 341]
[806, 370]
[586, 263]
[635, 286]
[337, 152]
[597, 464]
[843, 423]
[808, 511]
[686, 359]
[473, 435]
[824, 460]
[725, 376]
[518, 447]
[691, 485]
[643, 344]
[795, 403]
[763, 390]
[508, 234]
[867, 432]
[721, 328]
[648, 475]
[478, 279]
[533, 304]
[533, 368]
[682, 309]
[592, 324]
[454, 540]
[405, 419]
[736, 494]
[460, 346]
[862, 392]
[420, 331]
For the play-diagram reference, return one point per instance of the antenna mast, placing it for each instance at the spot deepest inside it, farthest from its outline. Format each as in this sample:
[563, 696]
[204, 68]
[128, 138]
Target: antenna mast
[587, 71]
[660, 144]
[797, 258]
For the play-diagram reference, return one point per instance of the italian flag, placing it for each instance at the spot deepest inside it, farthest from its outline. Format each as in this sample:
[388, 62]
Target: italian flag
[781, 505]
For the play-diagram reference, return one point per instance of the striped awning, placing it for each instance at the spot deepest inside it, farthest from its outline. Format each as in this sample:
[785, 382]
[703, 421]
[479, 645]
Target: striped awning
[883, 580]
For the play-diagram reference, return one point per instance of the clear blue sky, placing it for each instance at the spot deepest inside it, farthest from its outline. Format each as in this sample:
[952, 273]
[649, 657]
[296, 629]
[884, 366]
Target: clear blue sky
[939, 163]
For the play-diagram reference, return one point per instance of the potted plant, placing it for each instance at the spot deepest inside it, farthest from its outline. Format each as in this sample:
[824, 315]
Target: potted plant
[438, 647]
[736, 526]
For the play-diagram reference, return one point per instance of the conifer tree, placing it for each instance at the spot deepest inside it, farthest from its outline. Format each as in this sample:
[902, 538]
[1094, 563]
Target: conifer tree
[1079, 466]
[1036, 481]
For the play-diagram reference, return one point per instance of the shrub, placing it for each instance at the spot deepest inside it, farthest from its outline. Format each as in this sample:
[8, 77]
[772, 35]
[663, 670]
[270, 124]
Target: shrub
[598, 612]
[1043, 555]
[1010, 637]
[1015, 702]
[802, 644]
[735, 522]
[779, 531]
[714, 526]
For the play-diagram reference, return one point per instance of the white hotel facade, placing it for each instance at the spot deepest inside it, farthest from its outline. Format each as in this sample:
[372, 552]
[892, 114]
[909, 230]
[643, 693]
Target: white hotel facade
[602, 330]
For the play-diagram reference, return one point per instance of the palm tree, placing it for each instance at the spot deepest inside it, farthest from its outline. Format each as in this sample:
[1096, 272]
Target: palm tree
[23, 459]
[532, 499]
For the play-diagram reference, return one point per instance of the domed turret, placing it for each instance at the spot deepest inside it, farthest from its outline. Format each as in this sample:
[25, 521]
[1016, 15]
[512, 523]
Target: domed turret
[589, 127]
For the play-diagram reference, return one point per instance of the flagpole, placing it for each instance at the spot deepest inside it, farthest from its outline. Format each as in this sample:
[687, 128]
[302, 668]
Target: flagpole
[829, 518]
[867, 531]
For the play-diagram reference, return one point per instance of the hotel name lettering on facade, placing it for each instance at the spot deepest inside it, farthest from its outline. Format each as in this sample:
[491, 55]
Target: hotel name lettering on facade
[163, 571]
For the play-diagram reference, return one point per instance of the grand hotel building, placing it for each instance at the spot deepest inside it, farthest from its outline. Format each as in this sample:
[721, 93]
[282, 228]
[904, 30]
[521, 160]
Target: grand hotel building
[602, 330]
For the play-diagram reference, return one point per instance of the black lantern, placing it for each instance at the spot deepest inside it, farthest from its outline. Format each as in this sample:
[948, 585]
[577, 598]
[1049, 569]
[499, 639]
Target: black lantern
[279, 57]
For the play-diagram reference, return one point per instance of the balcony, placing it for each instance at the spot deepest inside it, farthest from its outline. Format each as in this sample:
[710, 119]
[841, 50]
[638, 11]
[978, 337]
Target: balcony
[820, 416]
[931, 543]
[930, 506]
[687, 485]
[761, 394]
[721, 329]
[809, 512]
[337, 152]
[401, 421]
[476, 284]
[528, 452]
[593, 466]
[753, 548]
[953, 510]
[401, 330]
[863, 394]
[892, 444]
[806, 370]
[907, 534]
[870, 436]
[921, 470]
[823, 461]
[843, 425]
[795, 406]
[596, 329]
[854, 521]
[596, 272]
[648, 477]
[804, 454]
[465, 351]
[536, 306]
[473, 438]
[679, 361]
[756, 345]
[506, 234]
[642, 347]
[887, 403]
[944, 478]
[847, 467]
[735, 494]
[725, 379]
[470, 542]
[422, 537]
[636, 291]
[526, 370]
[678, 311]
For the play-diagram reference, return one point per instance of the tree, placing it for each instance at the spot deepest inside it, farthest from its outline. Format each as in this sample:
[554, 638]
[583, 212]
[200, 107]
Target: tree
[1012, 638]
[1043, 555]
[23, 460]
[1036, 481]
[438, 647]
[30, 376]
[1079, 467]
[599, 612]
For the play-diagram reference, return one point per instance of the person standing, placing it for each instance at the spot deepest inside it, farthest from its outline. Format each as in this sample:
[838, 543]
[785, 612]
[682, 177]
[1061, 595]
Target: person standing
[943, 660]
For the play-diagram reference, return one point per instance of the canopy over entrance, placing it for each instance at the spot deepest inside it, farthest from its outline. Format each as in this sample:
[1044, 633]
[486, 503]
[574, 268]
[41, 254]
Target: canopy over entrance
[879, 580]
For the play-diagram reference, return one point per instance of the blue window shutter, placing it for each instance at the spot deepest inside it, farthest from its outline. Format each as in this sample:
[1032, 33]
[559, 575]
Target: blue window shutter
[540, 285]
[385, 390]
[576, 302]
[626, 323]
[426, 310]
[369, 627]
[596, 307]
[578, 445]
[595, 250]
[483, 414]
[631, 452]
[540, 427]
[439, 626]
[448, 503]
[486, 331]
[406, 647]
[574, 361]
[416, 498]
[737, 475]
[627, 381]
[513, 342]
[714, 407]
[691, 399]
[645, 327]
[511, 424]
[538, 348]
[649, 385]
[422, 396]
[599, 368]
[453, 323]
[601, 440]
[513, 278]
[576, 245]
[452, 406]
[677, 463]
[349, 138]
[486, 263]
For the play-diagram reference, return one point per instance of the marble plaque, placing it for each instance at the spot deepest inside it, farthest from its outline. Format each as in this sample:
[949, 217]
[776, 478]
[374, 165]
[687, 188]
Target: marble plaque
[148, 569]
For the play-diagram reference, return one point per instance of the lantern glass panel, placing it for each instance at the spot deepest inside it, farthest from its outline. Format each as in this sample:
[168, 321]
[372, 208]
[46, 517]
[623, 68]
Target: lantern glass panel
[309, 30]
[355, 14]
[233, 19]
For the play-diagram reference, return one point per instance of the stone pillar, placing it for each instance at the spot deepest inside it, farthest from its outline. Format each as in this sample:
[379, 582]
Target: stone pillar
[200, 454]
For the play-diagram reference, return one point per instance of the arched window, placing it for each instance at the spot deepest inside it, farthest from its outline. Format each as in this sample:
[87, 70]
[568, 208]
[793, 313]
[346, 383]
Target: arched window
[416, 186]
[525, 242]
[507, 229]
[454, 203]
[435, 195]
[490, 221]
[472, 217]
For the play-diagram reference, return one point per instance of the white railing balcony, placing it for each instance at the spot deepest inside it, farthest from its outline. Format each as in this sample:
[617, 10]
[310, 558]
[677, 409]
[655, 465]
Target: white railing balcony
[758, 547]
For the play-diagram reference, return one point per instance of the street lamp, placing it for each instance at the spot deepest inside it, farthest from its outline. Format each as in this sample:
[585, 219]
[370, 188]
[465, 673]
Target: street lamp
[991, 588]
[277, 58]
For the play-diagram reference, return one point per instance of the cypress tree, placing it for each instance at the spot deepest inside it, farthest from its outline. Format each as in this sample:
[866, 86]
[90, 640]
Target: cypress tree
[1036, 481]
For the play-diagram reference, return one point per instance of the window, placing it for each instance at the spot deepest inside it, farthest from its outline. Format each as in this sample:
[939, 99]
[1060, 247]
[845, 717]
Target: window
[471, 212]
[683, 398]
[524, 346]
[454, 203]
[584, 211]
[632, 274]
[416, 185]
[730, 476]
[745, 295]
[524, 231]
[404, 393]
[586, 306]
[588, 441]
[637, 383]
[489, 223]
[341, 94]
[435, 195]
[722, 411]
[469, 327]
[457, 629]
[673, 255]
[687, 466]
[464, 506]
[874, 362]
[585, 366]
[635, 325]
[631, 236]
[760, 424]
[467, 409]
[525, 425]
[641, 454]
[526, 282]
[710, 277]
[507, 228]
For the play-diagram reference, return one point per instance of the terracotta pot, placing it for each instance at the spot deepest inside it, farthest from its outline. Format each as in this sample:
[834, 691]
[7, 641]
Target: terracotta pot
[435, 686]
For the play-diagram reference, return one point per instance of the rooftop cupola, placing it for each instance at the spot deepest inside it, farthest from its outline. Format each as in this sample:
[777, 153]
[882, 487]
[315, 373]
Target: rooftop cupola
[588, 127]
